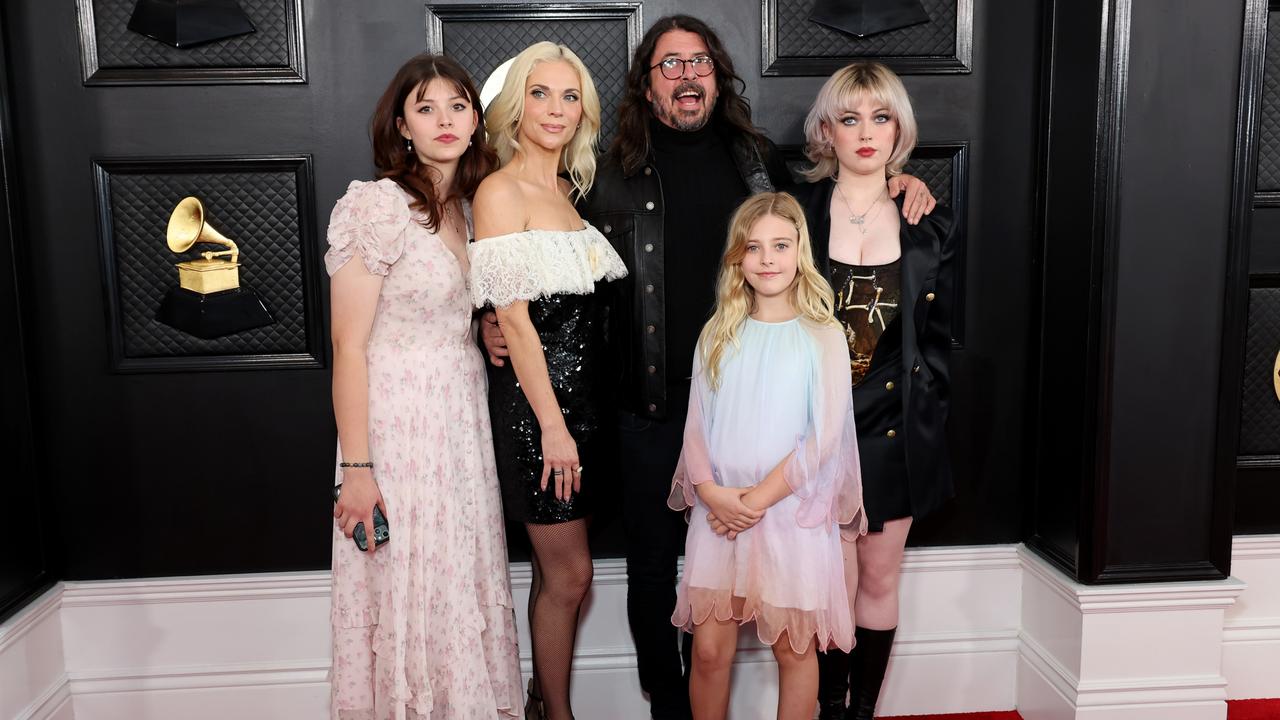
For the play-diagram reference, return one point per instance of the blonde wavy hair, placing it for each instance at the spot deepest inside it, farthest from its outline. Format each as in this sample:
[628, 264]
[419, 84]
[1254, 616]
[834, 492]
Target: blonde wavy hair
[811, 296]
[841, 92]
[503, 116]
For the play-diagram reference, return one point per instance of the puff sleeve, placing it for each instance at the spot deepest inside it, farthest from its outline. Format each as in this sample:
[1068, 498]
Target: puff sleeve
[369, 221]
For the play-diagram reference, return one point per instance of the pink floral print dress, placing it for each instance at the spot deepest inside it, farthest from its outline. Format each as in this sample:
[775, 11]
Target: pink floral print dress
[423, 629]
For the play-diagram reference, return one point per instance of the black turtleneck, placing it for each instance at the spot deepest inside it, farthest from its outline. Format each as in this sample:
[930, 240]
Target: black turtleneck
[701, 187]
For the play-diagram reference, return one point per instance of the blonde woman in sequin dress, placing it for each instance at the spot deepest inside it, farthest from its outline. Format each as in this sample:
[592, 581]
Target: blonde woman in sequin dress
[537, 264]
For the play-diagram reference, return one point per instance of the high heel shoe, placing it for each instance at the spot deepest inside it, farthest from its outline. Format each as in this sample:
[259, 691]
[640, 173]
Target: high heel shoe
[533, 709]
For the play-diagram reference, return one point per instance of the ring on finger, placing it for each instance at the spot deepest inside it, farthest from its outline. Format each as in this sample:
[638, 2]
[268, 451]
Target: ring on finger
[577, 470]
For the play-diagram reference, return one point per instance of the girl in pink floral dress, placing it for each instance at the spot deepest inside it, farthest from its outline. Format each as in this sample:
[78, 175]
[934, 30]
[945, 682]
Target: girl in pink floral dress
[423, 626]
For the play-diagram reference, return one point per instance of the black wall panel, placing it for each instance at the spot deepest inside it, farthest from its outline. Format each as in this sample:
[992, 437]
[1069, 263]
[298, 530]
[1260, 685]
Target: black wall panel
[111, 54]
[1253, 397]
[203, 472]
[28, 558]
[264, 205]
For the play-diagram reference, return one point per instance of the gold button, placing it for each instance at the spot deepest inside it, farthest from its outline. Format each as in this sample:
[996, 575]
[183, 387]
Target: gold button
[652, 369]
[929, 297]
[608, 228]
[888, 385]
[653, 408]
[892, 434]
[648, 171]
[648, 288]
[648, 205]
[648, 247]
[652, 329]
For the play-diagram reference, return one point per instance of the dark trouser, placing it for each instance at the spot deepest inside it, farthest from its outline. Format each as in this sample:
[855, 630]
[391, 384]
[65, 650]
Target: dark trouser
[647, 454]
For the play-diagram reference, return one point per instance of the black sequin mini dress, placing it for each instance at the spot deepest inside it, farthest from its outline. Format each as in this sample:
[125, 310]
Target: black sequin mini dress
[556, 272]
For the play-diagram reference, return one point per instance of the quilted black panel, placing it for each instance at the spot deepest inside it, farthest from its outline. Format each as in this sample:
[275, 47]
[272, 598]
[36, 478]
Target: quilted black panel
[482, 45]
[1259, 406]
[258, 210]
[119, 47]
[798, 37]
[936, 172]
[1269, 122]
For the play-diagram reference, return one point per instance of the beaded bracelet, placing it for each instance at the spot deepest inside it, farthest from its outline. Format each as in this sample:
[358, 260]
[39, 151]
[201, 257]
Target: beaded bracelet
[355, 465]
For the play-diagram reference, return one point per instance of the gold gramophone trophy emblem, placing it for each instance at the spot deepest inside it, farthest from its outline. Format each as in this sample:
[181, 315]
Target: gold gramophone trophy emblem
[209, 301]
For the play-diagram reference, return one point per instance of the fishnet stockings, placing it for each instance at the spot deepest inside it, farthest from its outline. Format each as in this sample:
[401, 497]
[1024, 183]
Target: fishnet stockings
[561, 578]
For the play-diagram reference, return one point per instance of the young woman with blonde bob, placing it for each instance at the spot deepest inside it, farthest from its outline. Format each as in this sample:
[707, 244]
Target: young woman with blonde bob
[537, 263]
[894, 286]
[769, 452]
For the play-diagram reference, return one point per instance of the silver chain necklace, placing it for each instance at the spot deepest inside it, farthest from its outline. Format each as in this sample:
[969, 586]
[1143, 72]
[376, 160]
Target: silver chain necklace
[861, 221]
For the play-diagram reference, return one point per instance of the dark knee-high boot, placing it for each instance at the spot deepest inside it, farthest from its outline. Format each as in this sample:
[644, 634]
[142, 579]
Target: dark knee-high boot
[833, 683]
[867, 664]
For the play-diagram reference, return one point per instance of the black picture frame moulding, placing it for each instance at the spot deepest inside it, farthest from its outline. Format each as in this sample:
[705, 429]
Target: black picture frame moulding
[227, 70]
[311, 351]
[779, 61]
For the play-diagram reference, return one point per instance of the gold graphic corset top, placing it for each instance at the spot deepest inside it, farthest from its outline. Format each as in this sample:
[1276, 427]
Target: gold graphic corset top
[867, 298]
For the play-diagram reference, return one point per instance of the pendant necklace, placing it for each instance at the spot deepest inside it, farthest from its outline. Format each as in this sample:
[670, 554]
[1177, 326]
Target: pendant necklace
[861, 221]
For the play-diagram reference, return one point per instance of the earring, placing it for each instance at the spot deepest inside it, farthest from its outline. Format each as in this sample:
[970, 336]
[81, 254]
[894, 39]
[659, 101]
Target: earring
[408, 144]
[468, 143]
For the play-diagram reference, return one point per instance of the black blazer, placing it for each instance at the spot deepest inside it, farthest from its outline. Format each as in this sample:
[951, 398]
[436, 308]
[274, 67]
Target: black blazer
[909, 397]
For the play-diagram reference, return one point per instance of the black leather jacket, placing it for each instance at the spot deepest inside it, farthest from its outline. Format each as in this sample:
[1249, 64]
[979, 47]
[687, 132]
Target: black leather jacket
[902, 408]
[629, 209]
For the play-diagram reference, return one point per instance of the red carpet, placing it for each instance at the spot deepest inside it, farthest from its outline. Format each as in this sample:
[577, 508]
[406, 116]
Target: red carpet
[1008, 715]
[1253, 710]
[1236, 710]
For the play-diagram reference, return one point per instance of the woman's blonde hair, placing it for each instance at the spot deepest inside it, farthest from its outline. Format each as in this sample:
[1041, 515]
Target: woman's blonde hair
[503, 116]
[811, 296]
[838, 95]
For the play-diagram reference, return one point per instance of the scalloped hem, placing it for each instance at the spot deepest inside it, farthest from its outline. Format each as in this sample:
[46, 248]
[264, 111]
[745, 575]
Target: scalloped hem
[697, 605]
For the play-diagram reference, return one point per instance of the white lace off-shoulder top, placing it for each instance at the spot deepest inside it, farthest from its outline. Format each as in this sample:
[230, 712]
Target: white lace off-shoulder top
[530, 264]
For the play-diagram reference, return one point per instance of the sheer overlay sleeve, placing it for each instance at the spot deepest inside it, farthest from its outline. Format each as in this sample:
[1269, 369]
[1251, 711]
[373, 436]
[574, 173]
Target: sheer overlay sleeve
[824, 470]
[368, 221]
[694, 465]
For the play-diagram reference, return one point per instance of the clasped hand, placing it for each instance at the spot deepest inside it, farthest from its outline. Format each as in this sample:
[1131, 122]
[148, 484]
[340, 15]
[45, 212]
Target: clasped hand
[730, 512]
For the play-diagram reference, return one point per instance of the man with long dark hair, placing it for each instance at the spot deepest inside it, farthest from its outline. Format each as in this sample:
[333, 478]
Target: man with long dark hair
[685, 155]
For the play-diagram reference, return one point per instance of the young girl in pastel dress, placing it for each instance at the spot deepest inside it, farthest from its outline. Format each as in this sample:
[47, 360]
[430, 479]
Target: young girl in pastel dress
[769, 459]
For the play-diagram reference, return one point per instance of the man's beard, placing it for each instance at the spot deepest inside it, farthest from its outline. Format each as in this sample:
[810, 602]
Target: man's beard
[670, 115]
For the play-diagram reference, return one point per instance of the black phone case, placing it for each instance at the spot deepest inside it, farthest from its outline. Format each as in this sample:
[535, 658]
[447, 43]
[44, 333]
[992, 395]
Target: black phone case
[381, 530]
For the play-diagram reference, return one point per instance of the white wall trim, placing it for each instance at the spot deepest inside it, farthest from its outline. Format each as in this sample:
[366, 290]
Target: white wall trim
[1263, 546]
[33, 680]
[1089, 599]
[1251, 632]
[51, 701]
[99, 593]
[39, 610]
[964, 635]
[200, 676]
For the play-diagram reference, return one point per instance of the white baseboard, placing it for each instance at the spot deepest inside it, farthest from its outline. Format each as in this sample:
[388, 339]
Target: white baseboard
[1122, 652]
[33, 681]
[982, 628]
[1251, 642]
